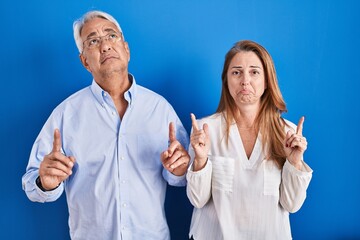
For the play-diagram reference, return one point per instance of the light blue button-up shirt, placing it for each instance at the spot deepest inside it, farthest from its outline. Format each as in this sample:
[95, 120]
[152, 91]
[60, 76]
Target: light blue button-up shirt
[117, 189]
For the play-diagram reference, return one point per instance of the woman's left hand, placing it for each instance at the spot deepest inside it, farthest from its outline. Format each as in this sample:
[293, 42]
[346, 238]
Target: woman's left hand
[295, 145]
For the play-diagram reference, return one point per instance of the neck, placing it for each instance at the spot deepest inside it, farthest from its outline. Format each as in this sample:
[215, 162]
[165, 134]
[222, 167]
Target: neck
[115, 84]
[245, 117]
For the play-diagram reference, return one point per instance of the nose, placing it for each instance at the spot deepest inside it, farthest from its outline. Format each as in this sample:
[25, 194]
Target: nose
[245, 80]
[105, 45]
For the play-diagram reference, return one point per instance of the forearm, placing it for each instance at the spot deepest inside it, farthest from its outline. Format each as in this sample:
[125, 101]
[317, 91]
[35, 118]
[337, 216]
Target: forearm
[198, 187]
[294, 185]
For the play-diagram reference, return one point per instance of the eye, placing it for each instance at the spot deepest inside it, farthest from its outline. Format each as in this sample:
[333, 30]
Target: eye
[114, 37]
[235, 73]
[255, 72]
[93, 41]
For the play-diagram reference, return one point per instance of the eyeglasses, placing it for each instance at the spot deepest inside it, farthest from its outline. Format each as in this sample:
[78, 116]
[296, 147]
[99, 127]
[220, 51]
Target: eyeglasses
[92, 43]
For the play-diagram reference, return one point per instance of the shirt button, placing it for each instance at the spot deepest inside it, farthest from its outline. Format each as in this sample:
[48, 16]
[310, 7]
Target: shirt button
[123, 181]
[124, 205]
[121, 158]
[123, 228]
[113, 113]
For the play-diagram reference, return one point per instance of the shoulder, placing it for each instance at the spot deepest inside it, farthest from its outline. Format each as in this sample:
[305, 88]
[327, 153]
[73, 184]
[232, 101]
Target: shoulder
[79, 95]
[69, 107]
[143, 92]
[213, 120]
[289, 125]
[152, 102]
[74, 100]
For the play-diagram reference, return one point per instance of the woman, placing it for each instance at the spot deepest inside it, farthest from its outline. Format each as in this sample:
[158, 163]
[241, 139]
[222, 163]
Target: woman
[246, 181]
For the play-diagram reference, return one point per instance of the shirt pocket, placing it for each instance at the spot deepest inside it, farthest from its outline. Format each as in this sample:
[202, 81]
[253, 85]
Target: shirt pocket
[149, 148]
[222, 173]
[272, 178]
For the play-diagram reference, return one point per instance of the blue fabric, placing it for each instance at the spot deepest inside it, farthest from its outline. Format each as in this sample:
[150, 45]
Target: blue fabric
[117, 189]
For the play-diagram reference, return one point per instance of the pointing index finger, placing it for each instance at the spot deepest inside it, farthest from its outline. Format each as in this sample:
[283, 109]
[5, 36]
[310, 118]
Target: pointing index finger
[299, 127]
[193, 122]
[57, 141]
[172, 134]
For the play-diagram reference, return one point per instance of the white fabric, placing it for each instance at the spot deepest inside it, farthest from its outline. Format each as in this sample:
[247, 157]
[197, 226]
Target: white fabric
[239, 198]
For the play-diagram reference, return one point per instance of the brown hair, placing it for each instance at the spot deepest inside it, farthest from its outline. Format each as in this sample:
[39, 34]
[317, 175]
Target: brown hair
[268, 120]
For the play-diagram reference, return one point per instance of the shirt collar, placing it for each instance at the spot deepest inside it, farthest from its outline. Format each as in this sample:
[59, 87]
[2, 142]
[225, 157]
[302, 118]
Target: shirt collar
[99, 93]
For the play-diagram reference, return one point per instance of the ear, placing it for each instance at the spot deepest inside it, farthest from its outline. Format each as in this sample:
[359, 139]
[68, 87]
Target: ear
[127, 49]
[84, 62]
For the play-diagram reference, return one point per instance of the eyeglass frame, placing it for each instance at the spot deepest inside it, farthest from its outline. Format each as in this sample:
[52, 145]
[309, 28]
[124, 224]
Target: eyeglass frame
[100, 39]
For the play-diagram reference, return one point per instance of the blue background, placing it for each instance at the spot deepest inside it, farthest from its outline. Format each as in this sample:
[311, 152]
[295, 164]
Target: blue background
[177, 49]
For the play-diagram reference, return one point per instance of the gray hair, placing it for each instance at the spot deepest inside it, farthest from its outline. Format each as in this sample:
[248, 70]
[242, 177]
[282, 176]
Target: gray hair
[79, 24]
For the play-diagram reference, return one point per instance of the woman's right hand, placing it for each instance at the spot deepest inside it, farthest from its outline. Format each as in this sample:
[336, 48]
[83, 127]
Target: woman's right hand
[295, 145]
[200, 141]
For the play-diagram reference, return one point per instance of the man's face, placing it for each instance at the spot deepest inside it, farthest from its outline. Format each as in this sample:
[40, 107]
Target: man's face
[104, 51]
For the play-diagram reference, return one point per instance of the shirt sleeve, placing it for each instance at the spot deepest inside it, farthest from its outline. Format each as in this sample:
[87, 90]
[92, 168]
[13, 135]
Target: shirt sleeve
[41, 147]
[294, 185]
[173, 180]
[34, 193]
[198, 187]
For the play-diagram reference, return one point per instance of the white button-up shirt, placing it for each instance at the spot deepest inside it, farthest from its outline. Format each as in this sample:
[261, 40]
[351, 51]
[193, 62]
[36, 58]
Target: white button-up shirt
[240, 198]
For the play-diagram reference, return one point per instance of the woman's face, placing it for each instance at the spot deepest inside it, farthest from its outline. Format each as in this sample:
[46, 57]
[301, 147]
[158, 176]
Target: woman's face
[246, 79]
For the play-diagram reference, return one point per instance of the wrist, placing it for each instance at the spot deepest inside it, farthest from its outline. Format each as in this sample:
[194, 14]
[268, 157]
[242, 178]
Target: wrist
[298, 164]
[39, 184]
[199, 164]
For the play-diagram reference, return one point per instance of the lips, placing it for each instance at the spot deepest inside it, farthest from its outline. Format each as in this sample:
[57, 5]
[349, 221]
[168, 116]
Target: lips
[244, 92]
[105, 58]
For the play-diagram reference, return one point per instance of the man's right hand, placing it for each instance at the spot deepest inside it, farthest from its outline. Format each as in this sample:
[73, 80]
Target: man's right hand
[55, 167]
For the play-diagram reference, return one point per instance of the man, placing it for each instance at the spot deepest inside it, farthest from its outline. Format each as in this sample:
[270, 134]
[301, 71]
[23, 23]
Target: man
[103, 144]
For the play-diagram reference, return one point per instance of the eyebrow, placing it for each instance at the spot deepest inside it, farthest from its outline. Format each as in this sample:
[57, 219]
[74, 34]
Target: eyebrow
[108, 30]
[250, 67]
